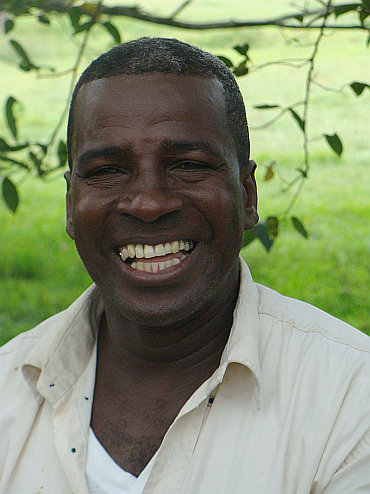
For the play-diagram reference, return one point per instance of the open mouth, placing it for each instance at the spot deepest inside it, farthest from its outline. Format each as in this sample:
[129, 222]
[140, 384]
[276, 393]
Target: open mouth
[154, 258]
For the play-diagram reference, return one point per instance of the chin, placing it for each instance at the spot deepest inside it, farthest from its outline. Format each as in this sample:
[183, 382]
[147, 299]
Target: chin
[159, 313]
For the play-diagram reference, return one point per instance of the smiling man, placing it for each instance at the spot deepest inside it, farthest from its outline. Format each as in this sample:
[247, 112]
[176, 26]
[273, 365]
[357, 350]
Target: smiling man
[175, 373]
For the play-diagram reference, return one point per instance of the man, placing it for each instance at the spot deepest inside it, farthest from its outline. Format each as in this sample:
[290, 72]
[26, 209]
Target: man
[175, 373]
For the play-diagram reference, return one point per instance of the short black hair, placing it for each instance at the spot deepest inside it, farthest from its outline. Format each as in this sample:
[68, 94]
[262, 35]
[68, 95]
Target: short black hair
[165, 55]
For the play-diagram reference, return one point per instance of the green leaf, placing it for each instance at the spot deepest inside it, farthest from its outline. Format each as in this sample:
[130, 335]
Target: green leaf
[359, 87]
[113, 31]
[299, 18]
[37, 162]
[5, 147]
[272, 227]
[343, 9]
[241, 69]
[299, 227]
[363, 15]
[242, 49]
[75, 16]
[226, 61]
[269, 173]
[43, 147]
[20, 50]
[259, 231]
[62, 153]
[266, 107]
[10, 116]
[262, 234]
[14, 162]
[84, 27]
[26, 63]
[249, 236]
[366, 5]
[35, 159]
[10, 194]
[335, 143]
[297, 118]
[8, 25]
[44, 19]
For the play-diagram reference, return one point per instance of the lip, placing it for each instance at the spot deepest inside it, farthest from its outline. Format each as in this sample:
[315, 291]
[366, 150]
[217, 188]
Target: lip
[170, 274]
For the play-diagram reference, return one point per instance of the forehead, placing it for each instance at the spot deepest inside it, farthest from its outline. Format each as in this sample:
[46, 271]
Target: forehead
[167, 102]
[189, 89]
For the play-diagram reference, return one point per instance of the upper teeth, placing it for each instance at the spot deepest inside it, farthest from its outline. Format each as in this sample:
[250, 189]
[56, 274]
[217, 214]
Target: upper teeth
[148, 251]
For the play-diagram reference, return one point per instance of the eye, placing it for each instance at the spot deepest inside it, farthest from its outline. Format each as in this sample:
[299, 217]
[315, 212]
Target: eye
[191, 165]
[192, 171]
[108, 170]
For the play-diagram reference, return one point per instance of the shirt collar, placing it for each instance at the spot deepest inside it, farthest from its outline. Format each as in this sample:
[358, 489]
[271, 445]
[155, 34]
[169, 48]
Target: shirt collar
[59, 358]
[61, 355]
[243, 344]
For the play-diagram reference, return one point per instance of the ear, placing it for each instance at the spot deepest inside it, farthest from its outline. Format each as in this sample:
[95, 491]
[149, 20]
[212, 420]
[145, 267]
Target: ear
[69, 224]
[250, 196]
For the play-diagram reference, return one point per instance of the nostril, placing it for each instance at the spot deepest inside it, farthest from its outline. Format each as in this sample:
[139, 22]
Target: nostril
[149, 205]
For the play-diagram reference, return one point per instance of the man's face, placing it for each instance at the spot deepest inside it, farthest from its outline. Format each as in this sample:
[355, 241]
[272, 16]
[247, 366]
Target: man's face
[155, 174]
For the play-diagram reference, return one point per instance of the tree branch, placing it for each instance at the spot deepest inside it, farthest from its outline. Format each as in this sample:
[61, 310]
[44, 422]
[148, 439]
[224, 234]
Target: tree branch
[71, 87]
[289, 21]
[180, 9]
[303, 174]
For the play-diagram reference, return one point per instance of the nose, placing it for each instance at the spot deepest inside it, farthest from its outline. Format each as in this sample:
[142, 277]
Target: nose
[149, 200]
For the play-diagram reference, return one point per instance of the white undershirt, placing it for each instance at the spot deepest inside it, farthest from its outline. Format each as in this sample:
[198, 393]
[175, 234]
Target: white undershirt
[104, 476]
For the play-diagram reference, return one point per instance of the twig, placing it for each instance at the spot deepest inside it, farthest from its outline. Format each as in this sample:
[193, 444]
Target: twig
[273, 120]
[296, 195]
[327, 88]
[71, 87]
[309, 80]
[289, 21]
[288, 62]
[55, 74]
[180, 9]
[282, 178]
[306, 103]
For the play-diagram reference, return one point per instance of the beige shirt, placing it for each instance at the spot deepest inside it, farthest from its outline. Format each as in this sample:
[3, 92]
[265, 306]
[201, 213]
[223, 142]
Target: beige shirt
[286, 412]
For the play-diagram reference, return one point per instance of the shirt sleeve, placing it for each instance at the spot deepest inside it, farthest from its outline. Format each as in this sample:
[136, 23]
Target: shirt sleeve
[350, 441]
[353, 477]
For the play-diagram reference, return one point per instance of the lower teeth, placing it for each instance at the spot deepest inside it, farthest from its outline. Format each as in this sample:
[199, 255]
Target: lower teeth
[153, 267]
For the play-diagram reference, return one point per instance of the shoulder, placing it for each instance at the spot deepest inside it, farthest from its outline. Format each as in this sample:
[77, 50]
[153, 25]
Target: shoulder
[316, 363]
[308, 348]
[299, 318]
[16, 350]
[14, 353]
[315, 374]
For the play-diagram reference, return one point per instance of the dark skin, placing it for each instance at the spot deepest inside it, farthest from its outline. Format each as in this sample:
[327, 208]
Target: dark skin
[154, 161]
[137, 396]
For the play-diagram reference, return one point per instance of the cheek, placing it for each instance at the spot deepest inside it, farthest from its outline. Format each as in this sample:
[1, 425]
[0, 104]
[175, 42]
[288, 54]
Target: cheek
[88, 217]
[230, 207]
[90, 204]
[224, 210]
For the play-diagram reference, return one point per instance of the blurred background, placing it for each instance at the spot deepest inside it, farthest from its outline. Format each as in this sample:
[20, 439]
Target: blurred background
[307, 96]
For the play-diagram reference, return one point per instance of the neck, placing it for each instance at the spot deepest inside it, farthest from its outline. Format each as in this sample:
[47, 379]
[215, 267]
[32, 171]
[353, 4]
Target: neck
[196, 343]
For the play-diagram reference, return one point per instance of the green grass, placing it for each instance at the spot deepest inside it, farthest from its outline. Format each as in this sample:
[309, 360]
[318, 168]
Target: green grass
[40, 272]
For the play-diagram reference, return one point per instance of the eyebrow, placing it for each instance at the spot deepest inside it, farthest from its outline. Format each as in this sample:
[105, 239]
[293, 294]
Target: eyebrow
[175, 147]
[104, 152]
[169, 146]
